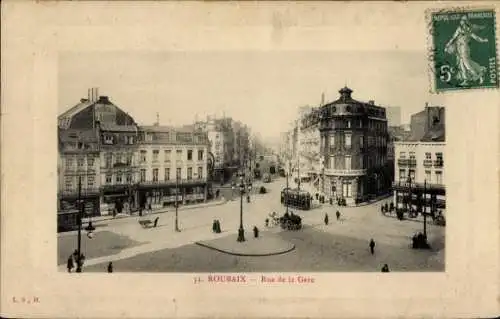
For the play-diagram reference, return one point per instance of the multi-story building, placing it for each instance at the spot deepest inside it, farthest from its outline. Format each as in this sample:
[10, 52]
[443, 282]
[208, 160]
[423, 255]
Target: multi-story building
[78, 171]
[419, 164]
[96, 117]
[172, 161]
[354, 148]
[119, 168]
[309, 145]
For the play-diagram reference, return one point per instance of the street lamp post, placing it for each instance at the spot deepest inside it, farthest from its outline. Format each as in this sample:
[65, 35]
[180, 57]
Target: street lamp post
[177, 177]
[89, 228]
[241, 231]
[79, 219]
[424, 209]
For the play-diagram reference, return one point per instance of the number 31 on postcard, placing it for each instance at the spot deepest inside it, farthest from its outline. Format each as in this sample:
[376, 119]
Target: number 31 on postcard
[464, 49]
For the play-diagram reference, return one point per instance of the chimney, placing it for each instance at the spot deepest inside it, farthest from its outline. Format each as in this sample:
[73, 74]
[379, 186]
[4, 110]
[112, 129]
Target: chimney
[371, 102]
[103, 99]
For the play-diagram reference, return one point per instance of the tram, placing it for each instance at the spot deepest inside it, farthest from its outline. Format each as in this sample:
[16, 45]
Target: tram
[296, 198]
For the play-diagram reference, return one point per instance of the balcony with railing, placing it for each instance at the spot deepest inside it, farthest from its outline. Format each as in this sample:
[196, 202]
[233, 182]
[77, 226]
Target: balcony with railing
[405, 185]
[173, 182]
[438, 163]
[85, 191]
[403, 162]
[345, 172]
[427, 163]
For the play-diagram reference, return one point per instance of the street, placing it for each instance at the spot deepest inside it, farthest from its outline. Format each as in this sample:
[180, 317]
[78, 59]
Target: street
[340, 246]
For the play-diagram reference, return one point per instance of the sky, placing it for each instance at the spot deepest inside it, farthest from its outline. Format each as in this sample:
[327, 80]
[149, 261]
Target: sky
[263, 89]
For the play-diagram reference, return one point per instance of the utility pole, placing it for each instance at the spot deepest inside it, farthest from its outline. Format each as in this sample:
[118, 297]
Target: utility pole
[286, 194]
[177, 177]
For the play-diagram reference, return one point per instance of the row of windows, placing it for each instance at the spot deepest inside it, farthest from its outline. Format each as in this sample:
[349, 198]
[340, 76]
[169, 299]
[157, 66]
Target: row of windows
[167, 155]
[111, 139]
[438, 176]
[81, 162]
[347, 162]
[71, 183]
[346, 140]
[126, 158]
[428, 155]
[120, 178]
[167, 176]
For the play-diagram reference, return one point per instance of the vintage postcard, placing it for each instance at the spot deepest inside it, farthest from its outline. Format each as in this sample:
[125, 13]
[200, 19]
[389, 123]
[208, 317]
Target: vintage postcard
[265, 159]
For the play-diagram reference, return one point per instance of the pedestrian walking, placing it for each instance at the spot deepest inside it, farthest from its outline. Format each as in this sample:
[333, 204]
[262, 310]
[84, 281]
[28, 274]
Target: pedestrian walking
[70, 264]
[338, 215]
[385, 268]
[110, 267]
[372, 246]
[214, 226]
[255, 232]
[326, 219]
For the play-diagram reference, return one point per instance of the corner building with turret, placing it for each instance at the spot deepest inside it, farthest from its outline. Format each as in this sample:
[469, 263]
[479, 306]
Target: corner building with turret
[354, 140]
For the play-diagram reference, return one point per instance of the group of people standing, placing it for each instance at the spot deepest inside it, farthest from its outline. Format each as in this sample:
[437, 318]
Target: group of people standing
[73, 261]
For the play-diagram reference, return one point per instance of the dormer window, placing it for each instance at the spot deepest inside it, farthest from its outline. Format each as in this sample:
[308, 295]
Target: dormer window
[108, 139]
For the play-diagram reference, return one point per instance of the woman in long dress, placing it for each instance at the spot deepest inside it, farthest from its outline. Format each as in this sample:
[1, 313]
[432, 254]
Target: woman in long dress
[468, 69]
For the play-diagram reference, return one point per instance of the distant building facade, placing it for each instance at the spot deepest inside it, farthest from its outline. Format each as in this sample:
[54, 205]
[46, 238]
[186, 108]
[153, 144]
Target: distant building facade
[309, 143]
[393, 115]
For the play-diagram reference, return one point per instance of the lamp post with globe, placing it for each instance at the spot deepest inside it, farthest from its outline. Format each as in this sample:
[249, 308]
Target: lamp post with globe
[90, 229]
[243, 187]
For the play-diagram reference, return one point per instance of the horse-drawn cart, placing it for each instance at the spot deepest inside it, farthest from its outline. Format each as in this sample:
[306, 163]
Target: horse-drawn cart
[148, 223]
[291, 222]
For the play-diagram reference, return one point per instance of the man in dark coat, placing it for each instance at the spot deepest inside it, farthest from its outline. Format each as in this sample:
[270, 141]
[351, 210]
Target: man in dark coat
[110, 267]
[326, 219]
[372, 246]
[70, 264]
[385, 268]
[338, 215]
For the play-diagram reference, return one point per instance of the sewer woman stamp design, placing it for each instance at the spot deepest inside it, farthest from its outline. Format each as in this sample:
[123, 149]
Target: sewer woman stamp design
[464, 49]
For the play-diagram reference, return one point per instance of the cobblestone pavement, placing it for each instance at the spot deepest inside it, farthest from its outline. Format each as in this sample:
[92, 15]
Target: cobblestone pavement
[315, 251]
[357, 225]
[107, 243]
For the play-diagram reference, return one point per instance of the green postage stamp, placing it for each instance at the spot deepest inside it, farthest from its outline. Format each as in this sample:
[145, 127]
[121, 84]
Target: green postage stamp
[464, 49]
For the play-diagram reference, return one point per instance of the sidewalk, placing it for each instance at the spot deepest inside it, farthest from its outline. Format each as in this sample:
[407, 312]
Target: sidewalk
[154, 212]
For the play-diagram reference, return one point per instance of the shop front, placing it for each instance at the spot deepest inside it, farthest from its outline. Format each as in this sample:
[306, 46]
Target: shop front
[346, 187]
[90, 200]
[117, 199]
[418, 197]
[159, 195]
